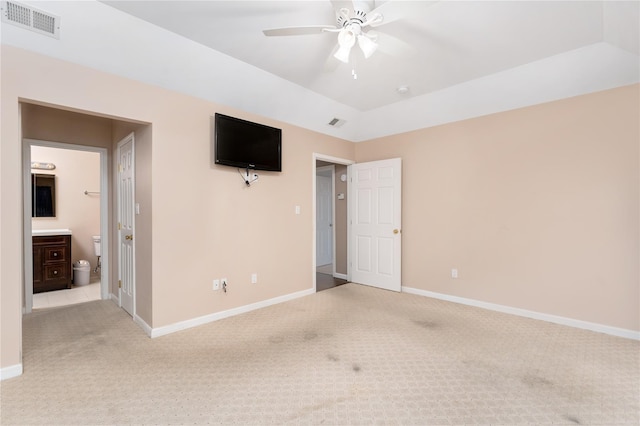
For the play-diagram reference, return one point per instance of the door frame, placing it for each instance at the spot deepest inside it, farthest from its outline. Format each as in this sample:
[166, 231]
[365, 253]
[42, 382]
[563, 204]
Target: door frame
[26, 210]
[335, 160]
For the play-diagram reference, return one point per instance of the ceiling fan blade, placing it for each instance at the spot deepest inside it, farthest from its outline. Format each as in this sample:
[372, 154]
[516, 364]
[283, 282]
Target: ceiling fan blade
[393, 46]
[393, 11]
[339, 4]
[293, 31]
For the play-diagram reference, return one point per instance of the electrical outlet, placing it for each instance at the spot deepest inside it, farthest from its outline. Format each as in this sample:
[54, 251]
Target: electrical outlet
[216, 285]
[454, 273]
[254, 278]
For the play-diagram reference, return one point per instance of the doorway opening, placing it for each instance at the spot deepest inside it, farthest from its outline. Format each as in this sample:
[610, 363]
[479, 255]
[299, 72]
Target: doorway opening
[330, 227]
[76, 234]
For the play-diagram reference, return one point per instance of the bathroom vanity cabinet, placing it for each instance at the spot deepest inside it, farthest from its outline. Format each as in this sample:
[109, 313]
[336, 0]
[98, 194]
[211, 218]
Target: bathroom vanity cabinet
[51, 262]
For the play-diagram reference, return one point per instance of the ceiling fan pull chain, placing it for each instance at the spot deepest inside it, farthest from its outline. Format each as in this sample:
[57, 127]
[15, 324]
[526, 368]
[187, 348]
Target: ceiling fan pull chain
[354, 66]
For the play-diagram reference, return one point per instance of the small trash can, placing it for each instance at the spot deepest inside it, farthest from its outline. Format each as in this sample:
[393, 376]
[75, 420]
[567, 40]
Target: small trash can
[81, 271]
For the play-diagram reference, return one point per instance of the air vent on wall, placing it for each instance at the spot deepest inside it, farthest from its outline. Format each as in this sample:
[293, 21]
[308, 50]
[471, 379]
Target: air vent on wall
[336, 122]
[31, 18]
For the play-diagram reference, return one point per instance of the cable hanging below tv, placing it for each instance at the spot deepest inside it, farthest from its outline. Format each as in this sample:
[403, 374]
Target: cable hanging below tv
[247, 145]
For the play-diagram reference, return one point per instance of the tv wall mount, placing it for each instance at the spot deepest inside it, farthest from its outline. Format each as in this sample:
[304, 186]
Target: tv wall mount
[248, 177]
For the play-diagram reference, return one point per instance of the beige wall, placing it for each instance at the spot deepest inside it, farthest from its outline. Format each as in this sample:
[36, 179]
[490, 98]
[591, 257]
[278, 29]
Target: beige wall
[537, 208]
[75, 172]
[206, 223]
[57, 125]
[11, 233]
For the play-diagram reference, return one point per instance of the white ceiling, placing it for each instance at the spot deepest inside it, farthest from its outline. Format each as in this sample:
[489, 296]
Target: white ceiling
[447, 43]
[459, 59]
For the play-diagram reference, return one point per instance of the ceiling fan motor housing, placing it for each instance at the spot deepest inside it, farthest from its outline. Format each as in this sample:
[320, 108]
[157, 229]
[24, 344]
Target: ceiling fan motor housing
[343, 17]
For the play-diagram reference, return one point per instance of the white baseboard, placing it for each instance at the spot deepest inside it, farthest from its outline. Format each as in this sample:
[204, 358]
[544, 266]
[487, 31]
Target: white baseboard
[341, 276]
[183, 325]
[585, 325]
[10, 372]
[146, 327]
[142, 323]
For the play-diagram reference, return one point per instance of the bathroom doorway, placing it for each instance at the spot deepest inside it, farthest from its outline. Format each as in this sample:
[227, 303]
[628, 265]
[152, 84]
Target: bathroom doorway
[79, 174]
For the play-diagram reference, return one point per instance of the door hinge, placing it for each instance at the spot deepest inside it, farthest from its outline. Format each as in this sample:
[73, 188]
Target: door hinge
[119, 226]
[119, 283]
[120, 168]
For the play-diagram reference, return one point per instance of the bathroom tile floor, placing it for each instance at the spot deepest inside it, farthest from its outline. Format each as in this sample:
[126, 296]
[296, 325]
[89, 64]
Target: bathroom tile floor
[80, 294]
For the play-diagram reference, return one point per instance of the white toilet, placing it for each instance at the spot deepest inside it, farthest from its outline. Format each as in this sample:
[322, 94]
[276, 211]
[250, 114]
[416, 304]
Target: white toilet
[96, 250]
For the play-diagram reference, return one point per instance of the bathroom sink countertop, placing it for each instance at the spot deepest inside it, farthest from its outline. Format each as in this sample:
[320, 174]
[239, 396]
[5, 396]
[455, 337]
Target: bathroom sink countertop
[46, 232]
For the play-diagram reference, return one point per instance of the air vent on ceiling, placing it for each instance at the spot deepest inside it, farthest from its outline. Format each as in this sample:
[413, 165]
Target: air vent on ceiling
[336, 122]
[30, 18]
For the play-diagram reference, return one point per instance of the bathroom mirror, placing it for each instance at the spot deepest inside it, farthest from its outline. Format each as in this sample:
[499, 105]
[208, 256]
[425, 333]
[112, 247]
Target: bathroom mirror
[43, 195]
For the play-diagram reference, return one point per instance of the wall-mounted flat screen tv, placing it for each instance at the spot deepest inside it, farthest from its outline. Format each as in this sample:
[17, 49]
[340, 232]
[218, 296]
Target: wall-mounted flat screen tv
[244, 144]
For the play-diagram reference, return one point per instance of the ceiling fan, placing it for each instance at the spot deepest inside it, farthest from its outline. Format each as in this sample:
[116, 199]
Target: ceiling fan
[352, 25]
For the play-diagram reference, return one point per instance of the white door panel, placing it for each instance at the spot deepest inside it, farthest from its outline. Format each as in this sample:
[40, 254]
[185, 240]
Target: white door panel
[376, 223]
[126, 245]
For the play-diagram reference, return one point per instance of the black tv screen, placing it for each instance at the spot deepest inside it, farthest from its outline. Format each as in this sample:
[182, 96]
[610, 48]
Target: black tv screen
[247, 145]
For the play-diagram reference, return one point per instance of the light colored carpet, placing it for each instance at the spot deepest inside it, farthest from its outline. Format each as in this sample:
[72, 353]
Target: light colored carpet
[349, 355]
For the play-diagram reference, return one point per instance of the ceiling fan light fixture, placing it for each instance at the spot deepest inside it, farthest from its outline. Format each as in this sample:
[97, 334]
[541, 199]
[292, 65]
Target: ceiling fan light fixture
[367, 45]
[346, 40]
[343, 54]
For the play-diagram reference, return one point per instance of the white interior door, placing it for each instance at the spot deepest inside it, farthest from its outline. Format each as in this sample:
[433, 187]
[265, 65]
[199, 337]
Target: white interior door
[126, 245]
[324, 220]
[375, 235]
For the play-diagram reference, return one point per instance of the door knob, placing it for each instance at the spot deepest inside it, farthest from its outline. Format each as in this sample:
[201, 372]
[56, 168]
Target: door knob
[396, 231]
[128, 237]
